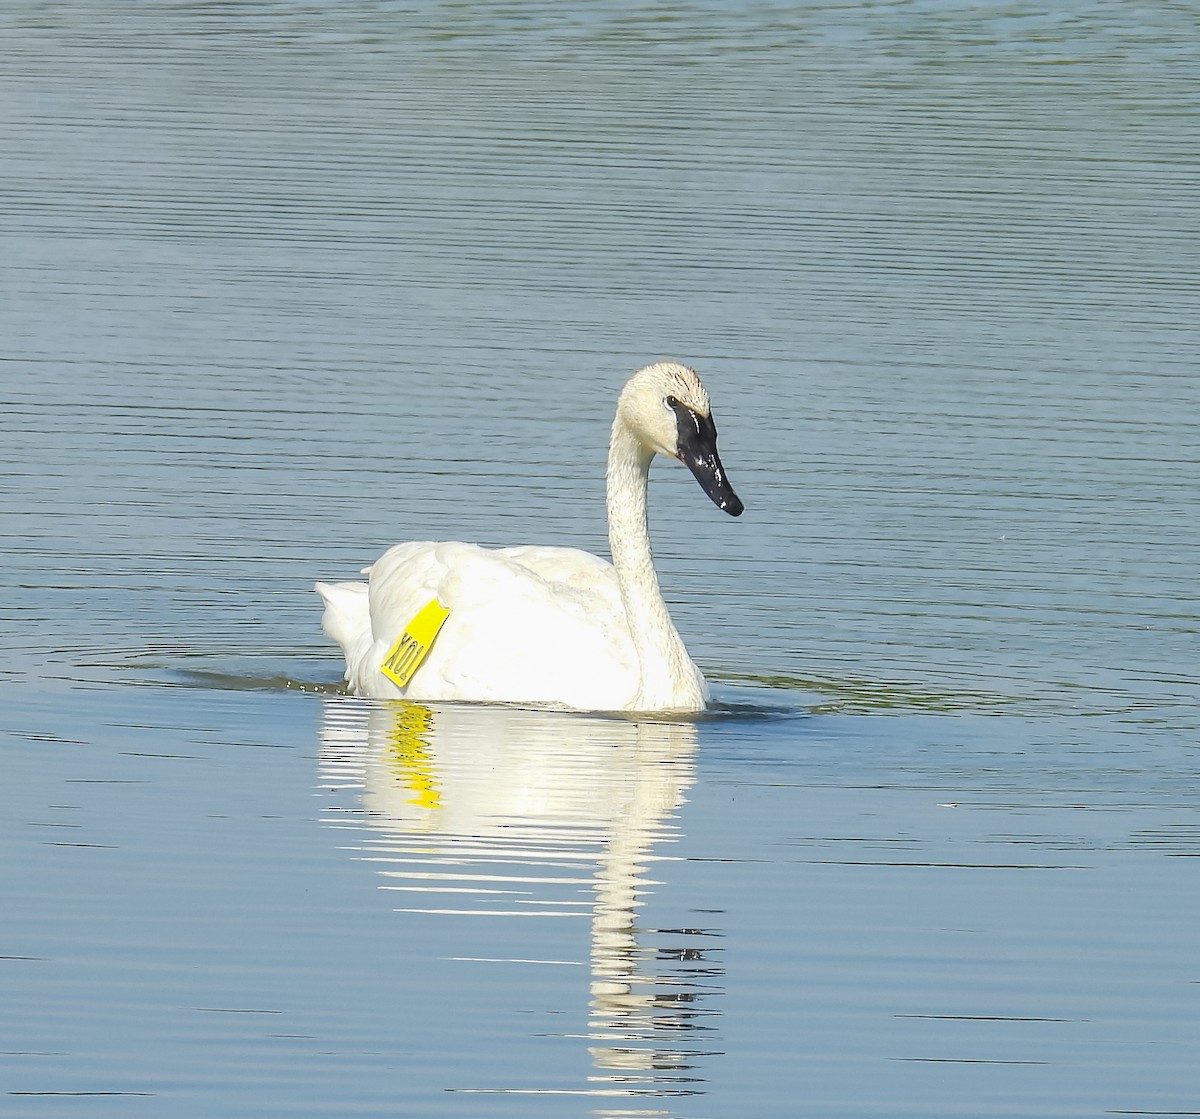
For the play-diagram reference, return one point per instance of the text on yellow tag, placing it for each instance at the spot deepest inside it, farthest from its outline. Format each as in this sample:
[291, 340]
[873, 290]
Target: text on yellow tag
[412, 646]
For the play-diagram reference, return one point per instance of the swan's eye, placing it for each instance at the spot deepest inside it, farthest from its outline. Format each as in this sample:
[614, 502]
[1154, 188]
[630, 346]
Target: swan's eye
[672, 402]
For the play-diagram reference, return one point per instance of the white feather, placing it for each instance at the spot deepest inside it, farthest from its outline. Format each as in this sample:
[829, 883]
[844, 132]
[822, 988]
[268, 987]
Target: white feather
[539, 625]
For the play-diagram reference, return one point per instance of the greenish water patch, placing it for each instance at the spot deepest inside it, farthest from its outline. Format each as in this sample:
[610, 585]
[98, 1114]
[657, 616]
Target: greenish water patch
[851, 696]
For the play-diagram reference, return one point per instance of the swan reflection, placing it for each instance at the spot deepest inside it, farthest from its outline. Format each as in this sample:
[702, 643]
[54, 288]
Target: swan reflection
[530, 814]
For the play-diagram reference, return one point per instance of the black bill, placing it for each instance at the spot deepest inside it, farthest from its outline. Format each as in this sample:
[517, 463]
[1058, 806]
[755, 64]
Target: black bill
[697, 441]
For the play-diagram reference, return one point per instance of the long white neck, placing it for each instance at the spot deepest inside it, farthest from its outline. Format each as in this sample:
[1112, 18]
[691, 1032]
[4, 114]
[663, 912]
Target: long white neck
[669, 679]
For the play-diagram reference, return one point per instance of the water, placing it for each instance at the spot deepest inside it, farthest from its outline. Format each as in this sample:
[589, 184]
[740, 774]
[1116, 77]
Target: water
[284, 284]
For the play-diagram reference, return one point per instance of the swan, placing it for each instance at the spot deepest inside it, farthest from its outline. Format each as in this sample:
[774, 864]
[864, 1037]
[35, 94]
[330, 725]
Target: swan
[544, 626]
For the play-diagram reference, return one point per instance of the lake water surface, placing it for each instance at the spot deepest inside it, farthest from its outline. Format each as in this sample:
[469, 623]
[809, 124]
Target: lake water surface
[283, 284]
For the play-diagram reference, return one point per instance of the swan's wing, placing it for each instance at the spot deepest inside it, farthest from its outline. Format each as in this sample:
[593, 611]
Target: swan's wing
[513, 633]
[348, 612]
[569, 567]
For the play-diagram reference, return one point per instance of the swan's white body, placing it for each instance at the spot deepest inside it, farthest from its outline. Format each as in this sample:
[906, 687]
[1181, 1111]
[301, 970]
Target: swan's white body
[543, 625]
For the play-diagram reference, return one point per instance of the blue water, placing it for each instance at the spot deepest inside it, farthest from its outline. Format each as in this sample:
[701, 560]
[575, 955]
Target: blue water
[285, 284]
[225, 902]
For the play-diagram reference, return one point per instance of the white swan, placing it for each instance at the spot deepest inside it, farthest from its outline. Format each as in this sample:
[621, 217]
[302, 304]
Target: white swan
[543, 625]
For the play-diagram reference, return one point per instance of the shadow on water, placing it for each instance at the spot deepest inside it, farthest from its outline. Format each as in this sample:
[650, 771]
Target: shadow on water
[770, 696]
[277, 672]
[735, 695]
[858, 696]
[536, 818]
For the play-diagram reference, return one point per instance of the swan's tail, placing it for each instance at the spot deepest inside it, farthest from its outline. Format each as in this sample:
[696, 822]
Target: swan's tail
[347, 616]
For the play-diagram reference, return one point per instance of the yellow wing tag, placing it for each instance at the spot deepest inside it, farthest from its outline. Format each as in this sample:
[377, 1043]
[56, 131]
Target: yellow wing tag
[405, 657]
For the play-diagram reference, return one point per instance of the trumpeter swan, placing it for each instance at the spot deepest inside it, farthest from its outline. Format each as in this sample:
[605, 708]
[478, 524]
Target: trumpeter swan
[543, 625]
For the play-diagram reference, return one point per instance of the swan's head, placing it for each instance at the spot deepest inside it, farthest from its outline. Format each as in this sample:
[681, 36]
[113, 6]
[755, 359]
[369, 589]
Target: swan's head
[667, 409]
